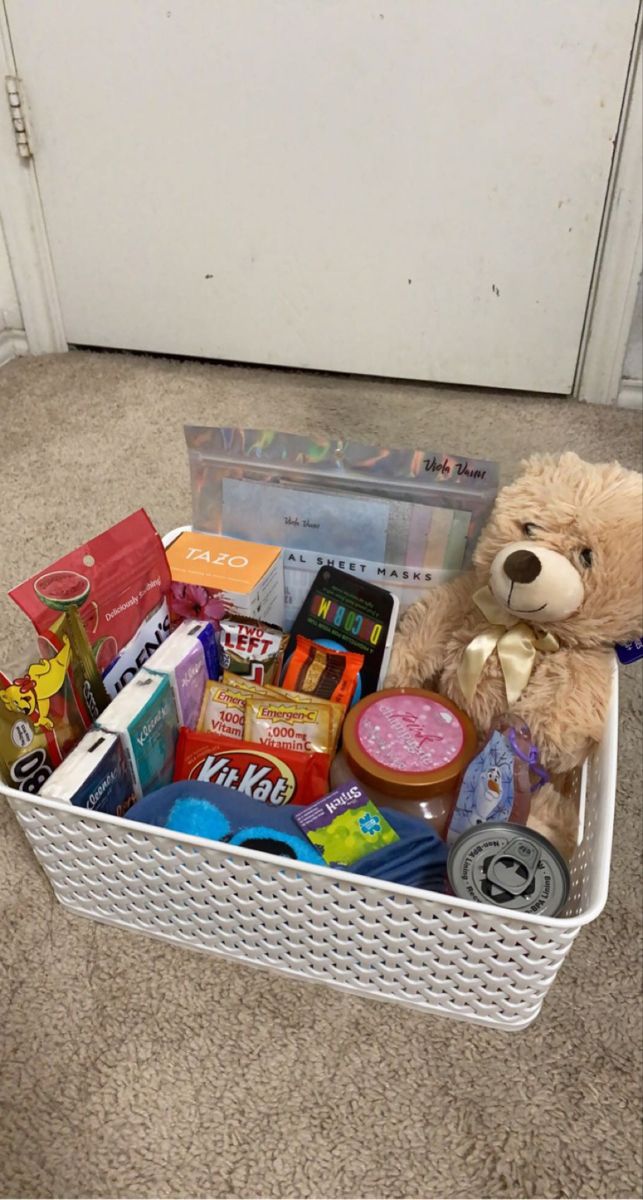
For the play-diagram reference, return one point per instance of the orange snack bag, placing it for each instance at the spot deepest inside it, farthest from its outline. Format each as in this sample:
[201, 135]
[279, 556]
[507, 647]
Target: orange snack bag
[288, 724]
[222, 710]
[318, 671]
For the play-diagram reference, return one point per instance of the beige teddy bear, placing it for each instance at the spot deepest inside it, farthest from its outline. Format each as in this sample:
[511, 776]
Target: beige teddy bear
[556, 581]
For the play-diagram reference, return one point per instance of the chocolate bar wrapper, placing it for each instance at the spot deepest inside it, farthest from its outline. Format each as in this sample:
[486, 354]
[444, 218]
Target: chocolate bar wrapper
[252, 649]
[266, 773]
[318, 671]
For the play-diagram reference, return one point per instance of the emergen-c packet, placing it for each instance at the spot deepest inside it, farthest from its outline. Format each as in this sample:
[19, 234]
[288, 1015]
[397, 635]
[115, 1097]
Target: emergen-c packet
[223, 710]
[336, 712]
[301, 726]
[119, 581]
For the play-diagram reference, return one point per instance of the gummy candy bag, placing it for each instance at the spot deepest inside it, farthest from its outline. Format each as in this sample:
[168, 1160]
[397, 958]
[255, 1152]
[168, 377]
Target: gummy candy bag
[119, 582]
[46, 710]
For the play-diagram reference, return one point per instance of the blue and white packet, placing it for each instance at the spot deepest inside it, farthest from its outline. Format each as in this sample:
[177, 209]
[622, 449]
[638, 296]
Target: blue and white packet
[96, 775]
[629, 652]
[487, 788]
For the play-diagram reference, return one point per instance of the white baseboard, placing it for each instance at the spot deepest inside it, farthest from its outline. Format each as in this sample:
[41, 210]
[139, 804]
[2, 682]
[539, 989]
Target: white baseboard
[12, 343]
[630, 394]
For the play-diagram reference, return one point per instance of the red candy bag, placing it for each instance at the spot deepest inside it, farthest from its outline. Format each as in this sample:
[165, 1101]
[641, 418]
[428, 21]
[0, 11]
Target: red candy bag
[273, 775]
[119, 581]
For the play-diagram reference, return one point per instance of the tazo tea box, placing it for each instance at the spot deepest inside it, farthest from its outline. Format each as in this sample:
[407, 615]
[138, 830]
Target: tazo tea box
[145, 718]
[95, 775]
[213, 576]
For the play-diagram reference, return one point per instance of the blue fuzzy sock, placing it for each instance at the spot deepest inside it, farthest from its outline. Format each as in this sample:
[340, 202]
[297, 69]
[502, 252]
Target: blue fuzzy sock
[198, 817]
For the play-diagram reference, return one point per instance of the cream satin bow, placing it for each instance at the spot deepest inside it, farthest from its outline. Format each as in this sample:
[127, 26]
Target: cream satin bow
[516, 644]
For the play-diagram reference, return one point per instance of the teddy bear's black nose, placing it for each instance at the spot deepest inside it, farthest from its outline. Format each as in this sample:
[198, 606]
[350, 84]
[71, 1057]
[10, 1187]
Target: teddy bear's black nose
[522, 566]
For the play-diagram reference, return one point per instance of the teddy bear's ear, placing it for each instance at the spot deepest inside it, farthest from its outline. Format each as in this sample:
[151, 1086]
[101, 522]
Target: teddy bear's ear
[569, 459]
[537, 463]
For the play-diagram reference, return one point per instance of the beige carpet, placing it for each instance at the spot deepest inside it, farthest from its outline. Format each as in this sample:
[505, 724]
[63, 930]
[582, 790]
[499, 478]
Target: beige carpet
[130, 1068]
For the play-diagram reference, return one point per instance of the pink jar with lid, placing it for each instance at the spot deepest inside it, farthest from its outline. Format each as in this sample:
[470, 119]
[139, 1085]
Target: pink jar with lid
[408, 748]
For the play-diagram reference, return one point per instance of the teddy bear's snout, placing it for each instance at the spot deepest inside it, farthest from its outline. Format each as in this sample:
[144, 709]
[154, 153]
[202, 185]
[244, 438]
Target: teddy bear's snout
[522, 566]
[535, 582]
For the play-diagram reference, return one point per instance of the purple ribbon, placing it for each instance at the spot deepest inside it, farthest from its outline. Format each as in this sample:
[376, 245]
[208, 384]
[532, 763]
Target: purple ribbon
[531, 758]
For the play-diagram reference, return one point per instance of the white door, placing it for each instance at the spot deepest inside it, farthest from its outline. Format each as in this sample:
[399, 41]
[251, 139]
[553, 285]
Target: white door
[396, 187]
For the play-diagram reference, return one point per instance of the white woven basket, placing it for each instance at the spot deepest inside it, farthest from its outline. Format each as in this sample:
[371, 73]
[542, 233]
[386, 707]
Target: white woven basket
[436, 953]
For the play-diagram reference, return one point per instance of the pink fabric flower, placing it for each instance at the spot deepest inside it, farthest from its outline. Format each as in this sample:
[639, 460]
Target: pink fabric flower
[197, 603]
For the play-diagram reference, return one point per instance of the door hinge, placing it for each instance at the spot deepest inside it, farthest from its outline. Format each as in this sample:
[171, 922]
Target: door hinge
[17, 108]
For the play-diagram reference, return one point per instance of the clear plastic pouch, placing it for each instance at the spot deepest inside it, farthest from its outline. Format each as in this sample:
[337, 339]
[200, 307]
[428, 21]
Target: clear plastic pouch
[401, 518]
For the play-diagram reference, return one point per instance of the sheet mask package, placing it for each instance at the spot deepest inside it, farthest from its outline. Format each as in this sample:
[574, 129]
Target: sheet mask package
[145, 718]
[187, 658]
[401, 518]
[95, 775]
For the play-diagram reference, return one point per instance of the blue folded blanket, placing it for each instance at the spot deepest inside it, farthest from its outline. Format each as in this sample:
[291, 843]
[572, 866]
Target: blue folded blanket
[206, 810]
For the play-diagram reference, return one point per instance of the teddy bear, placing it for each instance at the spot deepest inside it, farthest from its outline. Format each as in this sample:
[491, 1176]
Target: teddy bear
[530, 630]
